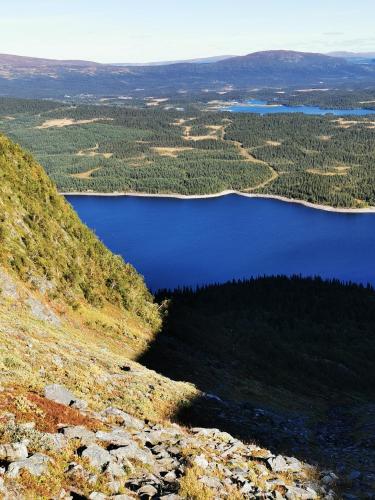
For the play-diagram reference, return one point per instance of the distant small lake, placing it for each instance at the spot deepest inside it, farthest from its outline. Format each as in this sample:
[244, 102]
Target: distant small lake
[189, 242]
[261, 107]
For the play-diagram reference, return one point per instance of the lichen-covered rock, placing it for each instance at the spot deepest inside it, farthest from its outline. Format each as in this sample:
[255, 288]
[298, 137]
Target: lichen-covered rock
[126, 419]
[79, 432]
[13, 452]
[59, 394]
[36, 465]
[97, 456]
[117, 437]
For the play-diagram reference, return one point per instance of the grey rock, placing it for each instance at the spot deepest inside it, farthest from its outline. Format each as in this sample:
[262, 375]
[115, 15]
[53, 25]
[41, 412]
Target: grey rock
[115, 470]
[97, 456]
[126, 419]
[160, 436]
[57, 441]
[36, 465]
[8, 287]
[96, 495]
[211, 482]
[294, 465]
[77, 472]
[80, 404]
[41, 312]
[278, 464]
[117, 437]
[200, 461]
[296, 493]
[171, 497]
[170, 477]
[132, 452]
[329, 479]
[247, 488]
[13, 452]
[147, 491]
[114, 486]
[79, 432]
[167, 464]
[59, 394]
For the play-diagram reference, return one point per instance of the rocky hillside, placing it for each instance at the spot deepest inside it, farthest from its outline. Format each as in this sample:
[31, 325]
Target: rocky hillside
[79, 416]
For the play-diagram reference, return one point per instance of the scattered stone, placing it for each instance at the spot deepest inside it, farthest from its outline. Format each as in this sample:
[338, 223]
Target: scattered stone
[13, 452]
[117, 437]
[57, 441]
[147, 491]
[296, 493]
[42, 312]
[278, 464]
[59, 394]
[115, 470]
[126, 419]
[200, 461]
[211, 482]
[79, 432]
[79, 404]
[36, 465]
[95, 495]
[97, 456]
[132, 452]
[114, 486]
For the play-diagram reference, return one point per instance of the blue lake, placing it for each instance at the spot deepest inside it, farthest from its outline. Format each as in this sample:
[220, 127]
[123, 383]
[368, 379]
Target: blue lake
[261, 107]
[188, 242]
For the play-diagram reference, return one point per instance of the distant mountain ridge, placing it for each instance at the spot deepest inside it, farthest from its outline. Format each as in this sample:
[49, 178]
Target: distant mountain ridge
[199, 60]
[32, 77]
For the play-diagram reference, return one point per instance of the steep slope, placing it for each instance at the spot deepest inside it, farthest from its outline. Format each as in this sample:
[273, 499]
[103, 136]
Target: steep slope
[79, 417]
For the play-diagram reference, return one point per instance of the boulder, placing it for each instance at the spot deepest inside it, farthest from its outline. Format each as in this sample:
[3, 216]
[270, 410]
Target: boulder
[296, 493]
[200, 461]
[59, 394]
[117, 437]
[132, 452]
[36, 465]
[79, 432]
[147, 491]
[126, 419]
[97, 456]
[13, 452]
[211, 482]
[115, 470]
[278, 464]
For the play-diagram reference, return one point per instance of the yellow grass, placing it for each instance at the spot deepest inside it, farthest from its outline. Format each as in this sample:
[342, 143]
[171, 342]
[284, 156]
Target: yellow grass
[90, 152]
[85, 175]
[66, 122]
[171, 152]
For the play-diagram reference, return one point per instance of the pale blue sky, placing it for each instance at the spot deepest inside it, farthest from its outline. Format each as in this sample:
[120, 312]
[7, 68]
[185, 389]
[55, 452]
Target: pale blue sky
[151, 30]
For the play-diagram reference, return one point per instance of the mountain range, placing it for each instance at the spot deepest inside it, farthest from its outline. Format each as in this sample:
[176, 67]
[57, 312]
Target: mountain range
[31, 77]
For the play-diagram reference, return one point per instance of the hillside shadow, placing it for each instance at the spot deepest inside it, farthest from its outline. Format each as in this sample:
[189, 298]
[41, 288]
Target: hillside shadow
[265, 386]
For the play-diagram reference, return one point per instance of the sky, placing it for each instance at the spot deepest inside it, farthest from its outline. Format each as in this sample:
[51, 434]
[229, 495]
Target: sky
[158, 30]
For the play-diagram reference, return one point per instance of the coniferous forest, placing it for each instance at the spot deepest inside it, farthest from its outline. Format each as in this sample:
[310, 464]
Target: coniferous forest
[321, 159]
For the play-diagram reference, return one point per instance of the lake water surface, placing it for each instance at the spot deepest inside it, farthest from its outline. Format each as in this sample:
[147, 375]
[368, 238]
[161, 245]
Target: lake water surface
[261, 107]
[176, 242]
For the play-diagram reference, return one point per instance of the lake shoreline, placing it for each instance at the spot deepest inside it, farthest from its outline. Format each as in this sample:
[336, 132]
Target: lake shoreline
[326, 208]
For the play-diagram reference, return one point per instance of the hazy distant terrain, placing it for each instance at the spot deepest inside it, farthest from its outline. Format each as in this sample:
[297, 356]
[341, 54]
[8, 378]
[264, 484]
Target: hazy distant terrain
[29, 77]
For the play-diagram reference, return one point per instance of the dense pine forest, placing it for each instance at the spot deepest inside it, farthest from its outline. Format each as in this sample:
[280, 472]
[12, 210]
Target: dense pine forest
[162, 148]
[269, 338]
